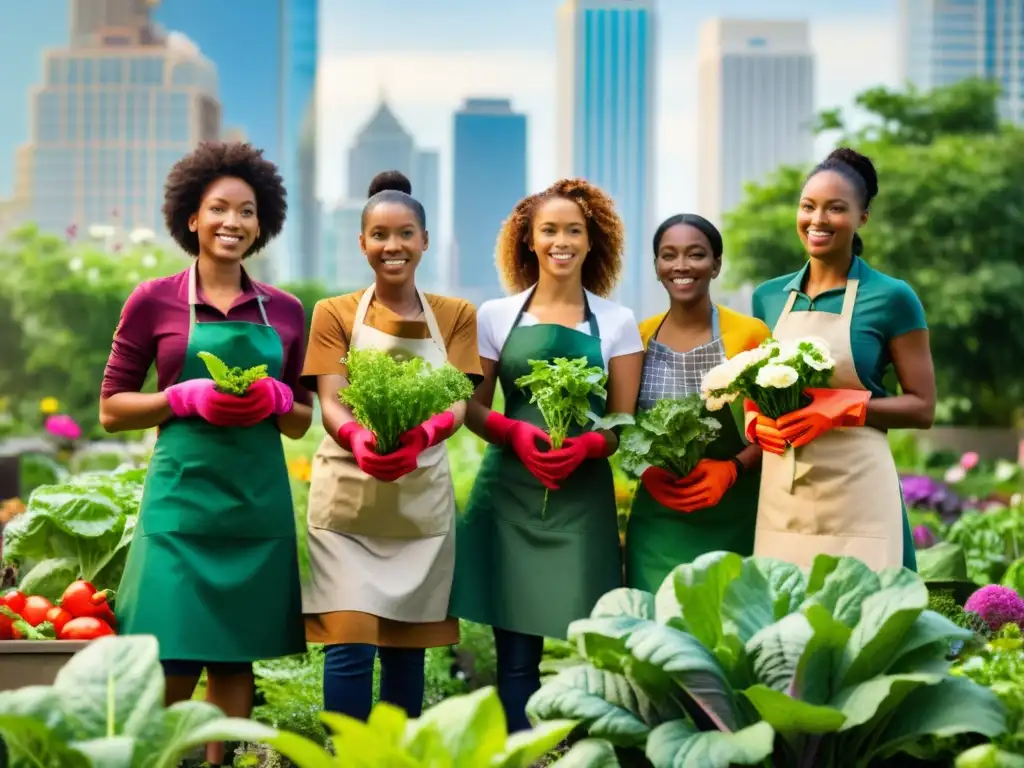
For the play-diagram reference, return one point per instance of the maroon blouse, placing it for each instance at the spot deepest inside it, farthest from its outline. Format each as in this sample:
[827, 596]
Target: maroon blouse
[154, 329]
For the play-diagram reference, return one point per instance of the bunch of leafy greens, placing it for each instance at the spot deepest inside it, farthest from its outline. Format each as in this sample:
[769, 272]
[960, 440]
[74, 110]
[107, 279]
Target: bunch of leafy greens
[234, 381]
[389, 396]
[106, 707]
[561, 390]
[751, 661]
[77, 529]
[672, 435]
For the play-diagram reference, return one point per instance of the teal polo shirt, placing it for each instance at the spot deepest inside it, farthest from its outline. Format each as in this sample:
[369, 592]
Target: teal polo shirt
[886, 308]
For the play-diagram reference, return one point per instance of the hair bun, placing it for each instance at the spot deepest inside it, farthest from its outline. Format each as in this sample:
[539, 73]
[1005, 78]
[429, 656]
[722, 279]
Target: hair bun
[389, 180]
[861, 164]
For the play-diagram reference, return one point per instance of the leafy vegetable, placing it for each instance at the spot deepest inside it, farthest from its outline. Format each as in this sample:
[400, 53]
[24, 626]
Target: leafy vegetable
[78, 529]
[234, 381]
[753, 662]
[561, 390]
[672, 435]
[390, 396]
[106, 708]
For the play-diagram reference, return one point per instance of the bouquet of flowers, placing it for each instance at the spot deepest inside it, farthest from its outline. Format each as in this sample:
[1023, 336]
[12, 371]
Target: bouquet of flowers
[773, 375]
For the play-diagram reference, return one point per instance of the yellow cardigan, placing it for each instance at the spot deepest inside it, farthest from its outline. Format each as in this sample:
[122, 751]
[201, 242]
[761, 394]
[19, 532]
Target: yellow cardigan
[739, 332]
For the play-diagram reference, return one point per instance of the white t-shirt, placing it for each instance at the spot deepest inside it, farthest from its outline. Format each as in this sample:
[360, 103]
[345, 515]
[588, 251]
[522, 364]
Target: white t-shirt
[616, 325]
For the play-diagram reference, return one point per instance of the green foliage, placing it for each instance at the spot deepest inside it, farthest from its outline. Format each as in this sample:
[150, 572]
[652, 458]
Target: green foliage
[390, 395]
[232, 380]
[561, 390]
[77, 529]
[59, 306]
[947, 220]
[672, 435]
[106, 708]
[753, 662]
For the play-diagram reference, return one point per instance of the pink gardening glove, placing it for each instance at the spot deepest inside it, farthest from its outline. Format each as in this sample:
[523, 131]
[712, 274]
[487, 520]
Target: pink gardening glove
[199, 397]
[277, 394]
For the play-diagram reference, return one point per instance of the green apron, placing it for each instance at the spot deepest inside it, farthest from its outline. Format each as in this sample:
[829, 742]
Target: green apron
[515, 569]
[658, 538]
[213, 570]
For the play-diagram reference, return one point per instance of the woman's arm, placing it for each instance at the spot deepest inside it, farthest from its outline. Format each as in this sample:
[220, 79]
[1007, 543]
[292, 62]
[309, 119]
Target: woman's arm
[624, 373]
[915, 407]
[479, 406]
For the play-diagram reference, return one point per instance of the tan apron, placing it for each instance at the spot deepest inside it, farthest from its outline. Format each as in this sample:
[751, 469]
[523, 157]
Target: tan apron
[840, 494]
[387, 549]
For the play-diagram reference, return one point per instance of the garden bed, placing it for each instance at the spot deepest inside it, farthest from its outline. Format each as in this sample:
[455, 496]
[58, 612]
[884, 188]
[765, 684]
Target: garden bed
[34, 662]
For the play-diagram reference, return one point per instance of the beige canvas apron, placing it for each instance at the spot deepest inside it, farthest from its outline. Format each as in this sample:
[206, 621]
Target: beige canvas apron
[840, 494]
[387, 549]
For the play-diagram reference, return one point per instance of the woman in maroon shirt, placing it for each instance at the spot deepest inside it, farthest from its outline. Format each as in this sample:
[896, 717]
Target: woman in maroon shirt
[213, 571]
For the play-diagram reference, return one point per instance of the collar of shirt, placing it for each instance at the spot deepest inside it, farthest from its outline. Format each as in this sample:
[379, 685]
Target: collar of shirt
[797, 283]
[251, 290]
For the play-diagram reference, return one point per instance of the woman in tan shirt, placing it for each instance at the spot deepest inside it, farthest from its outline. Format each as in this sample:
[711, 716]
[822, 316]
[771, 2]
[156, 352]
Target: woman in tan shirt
[381, 538]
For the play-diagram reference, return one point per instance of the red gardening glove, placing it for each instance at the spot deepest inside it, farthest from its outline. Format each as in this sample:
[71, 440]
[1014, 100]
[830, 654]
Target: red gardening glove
[200, 397]
[522, 437]
[434, 430]
[663, 487]
[762, 430]
[278, 394]
[562, 462]
[706, 485]
[829, 408]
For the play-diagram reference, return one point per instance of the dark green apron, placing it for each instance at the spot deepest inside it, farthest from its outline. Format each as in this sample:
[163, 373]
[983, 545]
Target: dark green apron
[213, 570]
[658, 538]
[515, 569]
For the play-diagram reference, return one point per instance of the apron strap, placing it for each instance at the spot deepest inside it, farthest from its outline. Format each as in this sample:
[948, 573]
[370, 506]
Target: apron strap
[428, 316]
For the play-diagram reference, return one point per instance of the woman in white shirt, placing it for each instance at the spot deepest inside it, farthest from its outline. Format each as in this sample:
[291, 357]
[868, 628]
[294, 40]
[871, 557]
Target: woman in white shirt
[528, 570]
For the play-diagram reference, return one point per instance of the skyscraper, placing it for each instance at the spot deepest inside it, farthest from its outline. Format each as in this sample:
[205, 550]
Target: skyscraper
[946, 41]
[115, 111]
[755, 106]
[606, 112]
[383, 144]
[489, 178]
[266, 57]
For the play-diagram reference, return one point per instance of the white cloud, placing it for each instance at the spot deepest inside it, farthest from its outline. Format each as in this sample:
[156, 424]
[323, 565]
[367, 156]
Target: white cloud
[426, 89]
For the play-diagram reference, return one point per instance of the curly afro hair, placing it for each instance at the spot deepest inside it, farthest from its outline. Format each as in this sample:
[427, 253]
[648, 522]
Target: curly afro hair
[517, 263]
[192, 175]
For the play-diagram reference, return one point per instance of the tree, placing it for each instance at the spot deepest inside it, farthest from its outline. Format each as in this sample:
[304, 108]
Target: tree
[949, 219]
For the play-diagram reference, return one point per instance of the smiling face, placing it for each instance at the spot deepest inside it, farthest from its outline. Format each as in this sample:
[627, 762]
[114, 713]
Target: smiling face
[686, 263]
[393, 242]
[829, 215]
[559, 238]
[226, 222]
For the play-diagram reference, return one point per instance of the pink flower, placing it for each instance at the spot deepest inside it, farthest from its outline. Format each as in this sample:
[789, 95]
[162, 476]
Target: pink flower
[63, 426]
[997, 605]
[969, 460]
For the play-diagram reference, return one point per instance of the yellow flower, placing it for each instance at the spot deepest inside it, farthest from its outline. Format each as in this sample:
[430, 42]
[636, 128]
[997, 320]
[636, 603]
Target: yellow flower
[49, 405]
[300, 469]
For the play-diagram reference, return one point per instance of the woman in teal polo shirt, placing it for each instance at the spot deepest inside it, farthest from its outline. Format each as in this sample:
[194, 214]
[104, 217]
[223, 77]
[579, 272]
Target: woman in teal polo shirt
[838, 492]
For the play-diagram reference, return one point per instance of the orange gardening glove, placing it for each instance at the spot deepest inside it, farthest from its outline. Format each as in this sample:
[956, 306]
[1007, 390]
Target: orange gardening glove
[762, 430]
[706, 485]
[829, 408]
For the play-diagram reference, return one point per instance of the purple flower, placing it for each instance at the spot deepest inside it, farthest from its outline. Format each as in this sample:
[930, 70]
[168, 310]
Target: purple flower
[63, 427]
[924, 537]
[997, 605]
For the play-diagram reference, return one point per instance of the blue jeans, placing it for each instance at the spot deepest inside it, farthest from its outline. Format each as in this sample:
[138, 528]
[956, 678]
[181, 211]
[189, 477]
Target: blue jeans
[518, 659]
[348, 679]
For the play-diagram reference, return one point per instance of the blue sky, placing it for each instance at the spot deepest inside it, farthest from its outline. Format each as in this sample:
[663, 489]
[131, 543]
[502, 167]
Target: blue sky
[437, 53]
[428, 56]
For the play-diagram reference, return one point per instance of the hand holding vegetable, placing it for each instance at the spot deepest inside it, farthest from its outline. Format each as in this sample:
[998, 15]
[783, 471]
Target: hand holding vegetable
[706, 485]
[276, 394]
[200, 397]
[523, 438]
[562, 462]
[829, 408]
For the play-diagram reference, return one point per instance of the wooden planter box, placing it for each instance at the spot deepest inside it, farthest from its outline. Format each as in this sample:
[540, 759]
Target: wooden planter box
[34, 662]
